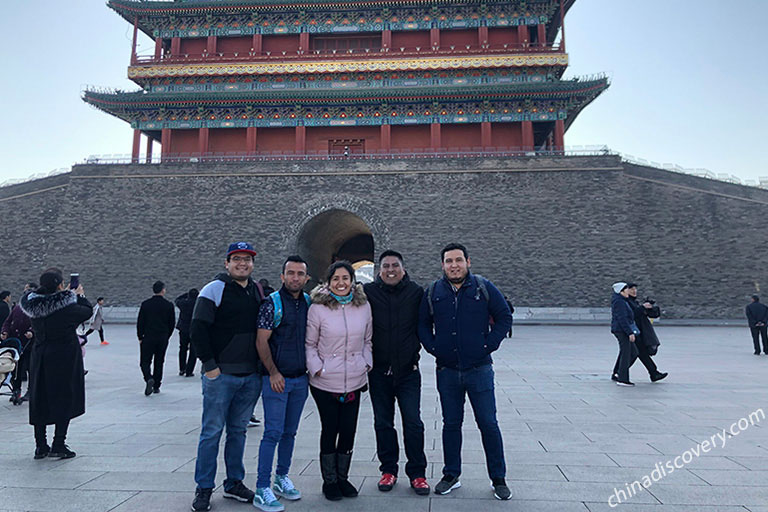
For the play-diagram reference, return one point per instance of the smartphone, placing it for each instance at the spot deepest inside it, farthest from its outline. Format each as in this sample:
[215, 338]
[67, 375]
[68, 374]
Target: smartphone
[74, 281]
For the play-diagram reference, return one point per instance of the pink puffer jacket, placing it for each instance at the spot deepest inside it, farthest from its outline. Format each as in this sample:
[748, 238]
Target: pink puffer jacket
[339, 341]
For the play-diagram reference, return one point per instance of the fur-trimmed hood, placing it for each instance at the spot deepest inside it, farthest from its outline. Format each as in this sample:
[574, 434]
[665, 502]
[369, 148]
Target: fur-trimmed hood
[36, 305]
[322, 295]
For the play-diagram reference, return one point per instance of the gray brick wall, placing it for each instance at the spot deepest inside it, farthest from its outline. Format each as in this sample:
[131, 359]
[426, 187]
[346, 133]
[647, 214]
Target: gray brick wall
[551, 232]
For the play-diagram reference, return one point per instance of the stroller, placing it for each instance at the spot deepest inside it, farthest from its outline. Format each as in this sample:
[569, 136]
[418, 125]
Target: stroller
[10, 352]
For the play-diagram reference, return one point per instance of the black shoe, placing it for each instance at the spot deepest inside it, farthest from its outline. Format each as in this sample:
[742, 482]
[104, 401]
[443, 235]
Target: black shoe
[614, 377]
[343, 461]
[447, 484]
[331, 489]
[156, 390]
[500, 489]
[85, 372]
[189, 375]
[757, 353]
[149, 387]
[61, 452]
[16, 398]
[253, 422]
[181, 373]
[659, 376]
[239, 492]
[202, 500]
[42, 452]
[624, 383]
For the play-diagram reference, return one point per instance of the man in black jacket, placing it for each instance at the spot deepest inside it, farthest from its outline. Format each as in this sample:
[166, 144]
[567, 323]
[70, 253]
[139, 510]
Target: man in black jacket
[186, 303]
[395, 376]
[757, 316]
[154, 328]
[223, 333]
[647, 337]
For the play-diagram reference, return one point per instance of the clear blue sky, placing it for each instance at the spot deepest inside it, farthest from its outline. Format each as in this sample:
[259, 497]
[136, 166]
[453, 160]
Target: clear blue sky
[689, 82]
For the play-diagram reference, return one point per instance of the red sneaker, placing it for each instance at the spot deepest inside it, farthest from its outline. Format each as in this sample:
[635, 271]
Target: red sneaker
[105, 342]
[420, 486]
[387, 482]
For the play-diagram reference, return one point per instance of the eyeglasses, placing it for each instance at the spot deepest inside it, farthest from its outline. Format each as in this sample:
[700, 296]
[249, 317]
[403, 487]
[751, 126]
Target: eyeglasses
[241, 259]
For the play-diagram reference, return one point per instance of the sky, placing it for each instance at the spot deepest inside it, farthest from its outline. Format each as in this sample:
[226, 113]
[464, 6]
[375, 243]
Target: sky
[688, 82]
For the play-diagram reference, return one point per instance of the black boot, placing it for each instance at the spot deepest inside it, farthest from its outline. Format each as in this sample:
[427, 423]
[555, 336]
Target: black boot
[331, 489]
[343, 461]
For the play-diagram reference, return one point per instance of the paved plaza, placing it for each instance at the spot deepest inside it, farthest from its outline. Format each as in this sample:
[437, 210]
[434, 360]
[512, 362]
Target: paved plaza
[571, 436]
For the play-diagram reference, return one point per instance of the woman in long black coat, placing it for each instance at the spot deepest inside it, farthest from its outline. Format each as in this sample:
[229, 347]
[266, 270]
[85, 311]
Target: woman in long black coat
[57, 383]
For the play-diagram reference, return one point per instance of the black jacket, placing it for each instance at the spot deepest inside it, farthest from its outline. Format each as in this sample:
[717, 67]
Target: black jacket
[395, 325]
[5, 311]
[224, 324]
[56, 383]
[643, 315]
[186, 305]
[157, 319]
[757, 312]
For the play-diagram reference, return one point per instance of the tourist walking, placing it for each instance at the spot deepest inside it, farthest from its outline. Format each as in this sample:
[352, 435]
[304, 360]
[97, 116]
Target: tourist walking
[19, 326]
[454, 326]
[154, 328]
[395, 376]
[223, 332]
[624, 328]
[5, 305]
[57, 382]
[284, 384]
[339, 331]
[187, 358]
[757, 317]
[97, 321]
[647, 342]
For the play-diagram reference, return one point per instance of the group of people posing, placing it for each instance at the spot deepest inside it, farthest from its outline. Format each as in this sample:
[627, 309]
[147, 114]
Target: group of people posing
[335, 343]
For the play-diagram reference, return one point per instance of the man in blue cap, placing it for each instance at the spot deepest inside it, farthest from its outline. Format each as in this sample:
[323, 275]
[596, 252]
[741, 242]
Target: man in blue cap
[223, 332]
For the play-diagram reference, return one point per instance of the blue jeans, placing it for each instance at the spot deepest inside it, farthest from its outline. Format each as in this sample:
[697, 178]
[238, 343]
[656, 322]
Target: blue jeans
[228, 401]
[282, 412]
[454, 386]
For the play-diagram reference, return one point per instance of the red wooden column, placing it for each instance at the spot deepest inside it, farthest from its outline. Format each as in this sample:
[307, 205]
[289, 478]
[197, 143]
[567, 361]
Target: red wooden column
[158, 48]
[250, 139]
[175, 46]
[386, 39]
[542, 28]
[202, 141]
[211, 44]
[136, 146]
[523, 36]
[485, 134]
[165, 142]
[434, 135]
[256, 44]
[304, 41]
[559, 135]
[386, 138]
[149, 149]
[482, 35]
[527, 135]
[434, 37]
[301, 140]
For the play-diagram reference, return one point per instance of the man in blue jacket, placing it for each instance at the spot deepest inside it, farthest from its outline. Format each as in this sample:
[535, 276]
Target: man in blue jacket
[455, 327]
[624, 328]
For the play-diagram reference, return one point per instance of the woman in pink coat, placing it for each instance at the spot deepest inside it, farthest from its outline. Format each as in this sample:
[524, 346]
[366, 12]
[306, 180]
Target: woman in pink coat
[339, 355]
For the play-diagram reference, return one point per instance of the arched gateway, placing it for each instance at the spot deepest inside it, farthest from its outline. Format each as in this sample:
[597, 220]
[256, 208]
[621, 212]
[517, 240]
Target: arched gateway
[334, 234]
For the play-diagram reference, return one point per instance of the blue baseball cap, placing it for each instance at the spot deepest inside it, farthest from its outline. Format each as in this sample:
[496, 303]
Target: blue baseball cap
[240, 247]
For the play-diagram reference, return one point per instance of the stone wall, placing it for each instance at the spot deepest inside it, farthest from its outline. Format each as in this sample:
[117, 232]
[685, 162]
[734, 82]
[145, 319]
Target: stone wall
[551, 232]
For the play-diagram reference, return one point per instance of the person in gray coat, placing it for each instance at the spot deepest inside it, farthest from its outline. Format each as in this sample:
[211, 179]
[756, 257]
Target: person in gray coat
[97, 321]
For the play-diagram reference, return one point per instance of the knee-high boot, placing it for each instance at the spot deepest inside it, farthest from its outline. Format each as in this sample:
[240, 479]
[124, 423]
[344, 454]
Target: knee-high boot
[343, 461]
[328, 469]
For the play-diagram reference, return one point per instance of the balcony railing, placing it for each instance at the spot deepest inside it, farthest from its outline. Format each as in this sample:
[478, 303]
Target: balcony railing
[352, 53]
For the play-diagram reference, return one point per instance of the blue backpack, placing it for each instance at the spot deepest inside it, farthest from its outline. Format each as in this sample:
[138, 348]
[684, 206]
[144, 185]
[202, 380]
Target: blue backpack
[277, 302]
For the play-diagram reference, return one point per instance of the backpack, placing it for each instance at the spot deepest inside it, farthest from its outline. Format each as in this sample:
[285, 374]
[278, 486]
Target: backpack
[481, 286]
[277, 302]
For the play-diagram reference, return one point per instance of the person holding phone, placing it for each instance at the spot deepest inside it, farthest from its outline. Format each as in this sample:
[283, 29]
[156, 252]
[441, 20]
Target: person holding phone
[57, 383]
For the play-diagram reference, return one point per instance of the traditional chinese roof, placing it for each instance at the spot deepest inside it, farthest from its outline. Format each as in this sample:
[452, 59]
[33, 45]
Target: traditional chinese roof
[144, 11]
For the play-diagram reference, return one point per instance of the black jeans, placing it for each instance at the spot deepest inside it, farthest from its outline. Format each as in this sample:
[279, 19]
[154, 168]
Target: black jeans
[187, 357]
[90, 331]
[59, 436]
[338, 421]
[152, 351]
[22, 369]
[407, 392]
[643, 356]
[756, 333]
[627, 355]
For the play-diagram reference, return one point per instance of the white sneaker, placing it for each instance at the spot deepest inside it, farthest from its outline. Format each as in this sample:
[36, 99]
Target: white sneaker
[265, 500]
[284, 487]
